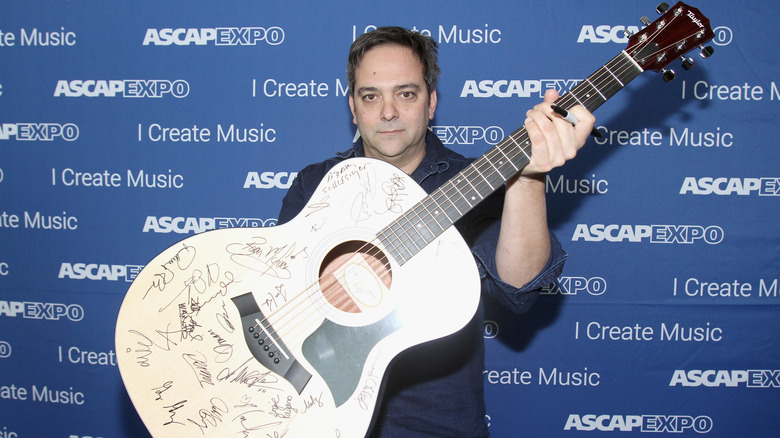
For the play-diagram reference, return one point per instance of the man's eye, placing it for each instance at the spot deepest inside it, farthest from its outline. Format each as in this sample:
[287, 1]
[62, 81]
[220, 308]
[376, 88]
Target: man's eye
[407, 94]
[369, 97]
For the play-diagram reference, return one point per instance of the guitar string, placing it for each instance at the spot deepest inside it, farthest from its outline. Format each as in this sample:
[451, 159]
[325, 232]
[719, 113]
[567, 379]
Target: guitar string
[523, 145]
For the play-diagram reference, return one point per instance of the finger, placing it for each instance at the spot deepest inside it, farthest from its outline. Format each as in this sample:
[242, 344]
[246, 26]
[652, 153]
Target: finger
[545, 143]
[586, 120]
[558, 136]
[551, 95]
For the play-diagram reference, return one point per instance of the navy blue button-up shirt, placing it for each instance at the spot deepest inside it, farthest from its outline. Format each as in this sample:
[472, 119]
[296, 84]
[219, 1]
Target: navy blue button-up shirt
[436, 389]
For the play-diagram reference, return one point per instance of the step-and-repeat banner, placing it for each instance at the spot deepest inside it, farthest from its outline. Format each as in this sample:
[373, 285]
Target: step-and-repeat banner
[127, 126]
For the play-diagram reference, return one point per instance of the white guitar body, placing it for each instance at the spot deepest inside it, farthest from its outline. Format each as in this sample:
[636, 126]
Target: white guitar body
[320, 300]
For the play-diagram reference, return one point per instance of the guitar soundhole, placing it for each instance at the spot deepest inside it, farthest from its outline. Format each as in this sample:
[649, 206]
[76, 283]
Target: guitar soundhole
[355, 276]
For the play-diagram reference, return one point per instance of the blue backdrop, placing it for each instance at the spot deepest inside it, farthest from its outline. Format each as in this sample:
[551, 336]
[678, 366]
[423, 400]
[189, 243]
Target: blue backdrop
[127, 126]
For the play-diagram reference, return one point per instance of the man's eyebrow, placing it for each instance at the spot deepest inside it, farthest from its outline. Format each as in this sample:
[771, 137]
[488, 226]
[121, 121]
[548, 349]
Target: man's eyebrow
[409, 86]
[362, 90]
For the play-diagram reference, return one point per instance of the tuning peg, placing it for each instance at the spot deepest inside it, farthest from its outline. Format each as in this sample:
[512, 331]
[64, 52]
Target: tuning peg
[706, 52]
[627, 33]
[662, 7]
[687, 63]
[646, 21]
[668, 75]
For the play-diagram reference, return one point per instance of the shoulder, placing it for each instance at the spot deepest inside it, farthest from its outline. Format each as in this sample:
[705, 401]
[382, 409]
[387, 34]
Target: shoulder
[303, 186]
[439, 154]
[316, 171]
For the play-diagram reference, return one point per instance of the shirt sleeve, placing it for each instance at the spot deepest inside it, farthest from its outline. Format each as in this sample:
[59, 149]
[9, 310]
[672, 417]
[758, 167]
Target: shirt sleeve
[481, 232]
[293, 201]
[301, 189]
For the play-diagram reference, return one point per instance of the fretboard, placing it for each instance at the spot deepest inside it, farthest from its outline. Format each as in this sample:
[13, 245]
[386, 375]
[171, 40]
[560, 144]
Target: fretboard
[426, 220]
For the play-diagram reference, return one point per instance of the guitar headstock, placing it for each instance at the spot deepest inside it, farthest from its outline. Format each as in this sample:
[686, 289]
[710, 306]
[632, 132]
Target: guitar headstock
[677, 31]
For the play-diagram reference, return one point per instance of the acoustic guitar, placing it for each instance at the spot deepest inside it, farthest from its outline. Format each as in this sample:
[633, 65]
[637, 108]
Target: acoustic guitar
[288, 331]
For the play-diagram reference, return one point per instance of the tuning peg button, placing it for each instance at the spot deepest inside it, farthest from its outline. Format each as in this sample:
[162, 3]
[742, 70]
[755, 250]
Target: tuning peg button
[706, 52]
[668, 75]
[662, 7]
[645, 21]
[688, 63]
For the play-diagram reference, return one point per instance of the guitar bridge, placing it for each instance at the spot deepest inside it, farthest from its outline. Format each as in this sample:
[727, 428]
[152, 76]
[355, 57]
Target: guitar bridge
[267, 347]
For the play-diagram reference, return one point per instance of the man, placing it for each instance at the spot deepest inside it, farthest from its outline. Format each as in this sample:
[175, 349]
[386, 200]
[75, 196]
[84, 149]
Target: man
[436, 389]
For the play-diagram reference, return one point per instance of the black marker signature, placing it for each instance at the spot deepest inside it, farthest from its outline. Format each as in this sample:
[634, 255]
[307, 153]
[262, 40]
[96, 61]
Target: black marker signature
[312, 402]
[274, 300]
[199, 282]
[359, 210]
[224, 319]
[198, 364]
[180, 261]
[252, 379]
[223, 349]
[211, 416]
[254, 420]
[172, 411]
[394, 190]
[160, 389]
[146, 345]
[316, 207]
[267, 259]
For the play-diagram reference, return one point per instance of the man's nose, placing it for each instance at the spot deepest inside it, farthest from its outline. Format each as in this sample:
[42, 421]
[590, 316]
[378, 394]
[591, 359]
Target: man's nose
[389, 110]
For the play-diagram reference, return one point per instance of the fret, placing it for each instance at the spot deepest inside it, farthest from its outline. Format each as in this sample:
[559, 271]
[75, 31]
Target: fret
[626, 70]
[507, 162]
[616, 78]
[439, 209]
[473, 177]
[497, 176]
[395, 245]
[525, 157]
[470, 192]
[431, 221]
[588, 94]
[462, 196]
[571, 93]
[483, 177]
[597, 90]
[415, 230]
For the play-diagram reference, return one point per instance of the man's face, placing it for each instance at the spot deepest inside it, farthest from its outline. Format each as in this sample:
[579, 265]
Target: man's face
[391, 107]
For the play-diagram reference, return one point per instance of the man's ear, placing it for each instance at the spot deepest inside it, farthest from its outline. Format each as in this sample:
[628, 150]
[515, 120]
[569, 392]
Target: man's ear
[352, 107]
[432, 101]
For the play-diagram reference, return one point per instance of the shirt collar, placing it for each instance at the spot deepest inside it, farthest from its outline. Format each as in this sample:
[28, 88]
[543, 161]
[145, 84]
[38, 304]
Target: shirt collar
[434, 161]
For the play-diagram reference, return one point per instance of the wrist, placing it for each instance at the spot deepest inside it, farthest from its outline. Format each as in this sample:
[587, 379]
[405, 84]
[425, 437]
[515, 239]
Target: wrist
[528, 181]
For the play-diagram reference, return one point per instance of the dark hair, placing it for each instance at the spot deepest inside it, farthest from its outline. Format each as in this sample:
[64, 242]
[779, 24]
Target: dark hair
[423, 46]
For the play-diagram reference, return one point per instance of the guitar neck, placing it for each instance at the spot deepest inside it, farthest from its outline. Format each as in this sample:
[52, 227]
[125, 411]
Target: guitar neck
[424, 222]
